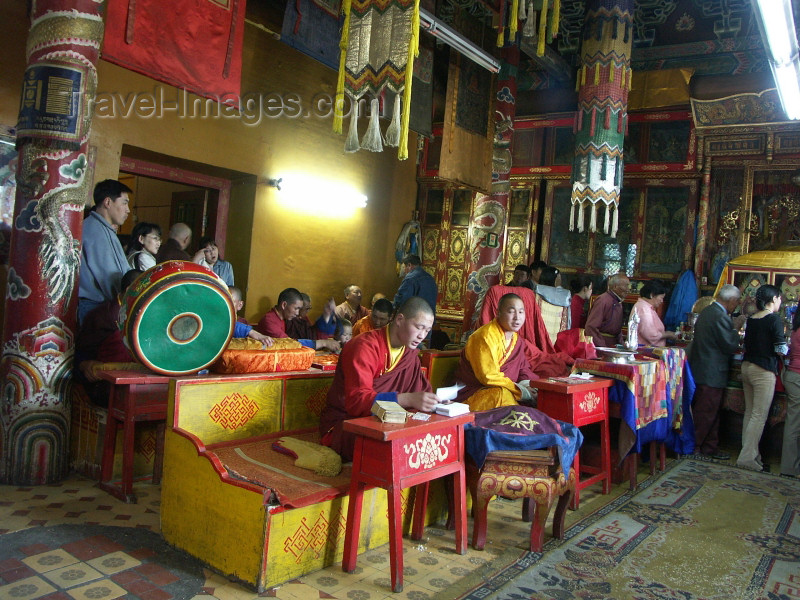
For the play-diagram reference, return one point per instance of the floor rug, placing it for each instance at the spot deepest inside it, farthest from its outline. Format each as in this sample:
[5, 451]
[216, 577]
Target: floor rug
[95, 562]
[701, 530]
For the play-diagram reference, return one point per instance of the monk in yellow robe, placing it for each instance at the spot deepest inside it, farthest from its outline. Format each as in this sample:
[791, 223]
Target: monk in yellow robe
[493, 366]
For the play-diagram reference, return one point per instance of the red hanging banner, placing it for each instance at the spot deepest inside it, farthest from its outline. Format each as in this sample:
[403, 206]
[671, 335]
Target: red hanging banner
[193, 44]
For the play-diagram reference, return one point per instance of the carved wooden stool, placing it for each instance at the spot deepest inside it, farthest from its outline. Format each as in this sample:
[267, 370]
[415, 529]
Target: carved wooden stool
[531, 474]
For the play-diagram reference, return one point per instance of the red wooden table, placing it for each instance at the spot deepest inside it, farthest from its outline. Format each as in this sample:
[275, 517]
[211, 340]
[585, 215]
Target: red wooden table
[395, 456]
[580, 402]
[135, 396]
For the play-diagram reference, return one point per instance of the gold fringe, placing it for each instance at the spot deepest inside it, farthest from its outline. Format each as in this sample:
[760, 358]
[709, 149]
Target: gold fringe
[413, 52]
[583, 74]
[513, 21]
[542, 28]
[597, 73]
[630, 79]
[338, 106]
[611, 70]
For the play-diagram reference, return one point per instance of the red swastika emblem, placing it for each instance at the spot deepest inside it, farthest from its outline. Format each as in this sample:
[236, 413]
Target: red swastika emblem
[233, 411]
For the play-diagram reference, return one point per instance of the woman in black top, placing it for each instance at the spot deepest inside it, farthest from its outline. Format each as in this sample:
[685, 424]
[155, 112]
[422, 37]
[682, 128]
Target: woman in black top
[763, 342]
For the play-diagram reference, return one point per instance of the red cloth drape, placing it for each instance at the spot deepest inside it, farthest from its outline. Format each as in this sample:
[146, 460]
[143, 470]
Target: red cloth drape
[191, 44]
[541, 354]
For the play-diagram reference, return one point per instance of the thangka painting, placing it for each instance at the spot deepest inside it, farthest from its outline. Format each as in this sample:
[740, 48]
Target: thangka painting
[665, 222]
[669, 142]
[472, 107]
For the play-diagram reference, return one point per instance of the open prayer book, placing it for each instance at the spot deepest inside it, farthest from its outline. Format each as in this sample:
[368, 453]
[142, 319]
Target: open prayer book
[448, 408]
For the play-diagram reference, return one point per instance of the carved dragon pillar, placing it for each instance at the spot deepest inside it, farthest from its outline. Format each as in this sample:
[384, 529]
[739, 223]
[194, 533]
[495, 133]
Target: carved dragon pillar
[702, 222]
[53, 184]
[487, 229]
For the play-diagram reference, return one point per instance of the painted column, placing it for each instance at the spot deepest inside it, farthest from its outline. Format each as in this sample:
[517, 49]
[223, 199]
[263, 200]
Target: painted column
[487, 228]
[603, 81]
[52, 187]
[702, 221]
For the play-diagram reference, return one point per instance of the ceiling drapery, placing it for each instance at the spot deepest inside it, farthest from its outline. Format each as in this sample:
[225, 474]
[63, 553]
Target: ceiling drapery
[603, 81]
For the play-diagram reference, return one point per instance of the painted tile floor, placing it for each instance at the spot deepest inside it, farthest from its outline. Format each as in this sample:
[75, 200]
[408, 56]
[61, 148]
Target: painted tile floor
[431, 565]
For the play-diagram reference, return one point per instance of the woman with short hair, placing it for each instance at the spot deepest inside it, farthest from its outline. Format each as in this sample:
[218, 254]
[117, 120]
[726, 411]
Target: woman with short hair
[651, 330]
[763, 343]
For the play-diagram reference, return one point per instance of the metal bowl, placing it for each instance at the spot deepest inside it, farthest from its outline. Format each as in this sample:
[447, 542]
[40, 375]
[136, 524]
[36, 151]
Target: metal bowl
[615, 355]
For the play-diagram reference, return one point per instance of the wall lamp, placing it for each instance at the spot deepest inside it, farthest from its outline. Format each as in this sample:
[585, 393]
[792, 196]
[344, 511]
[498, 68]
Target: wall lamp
[317, 195]
[437, 28]
[778, 35]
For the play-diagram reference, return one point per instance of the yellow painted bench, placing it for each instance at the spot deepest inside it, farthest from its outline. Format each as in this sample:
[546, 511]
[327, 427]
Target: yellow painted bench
[243, 525]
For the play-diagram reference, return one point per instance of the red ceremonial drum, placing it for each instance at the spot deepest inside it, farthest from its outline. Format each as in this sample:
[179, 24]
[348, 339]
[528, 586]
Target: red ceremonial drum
[177, 317]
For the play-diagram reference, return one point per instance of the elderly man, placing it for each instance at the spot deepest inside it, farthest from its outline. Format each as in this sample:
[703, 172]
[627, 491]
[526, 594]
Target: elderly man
[275, 323]
[493, 365]
[382, 364]
[180, 234]
[716, 339]
[604, 323]
[103, 261]
[379, 317]
[351, 309]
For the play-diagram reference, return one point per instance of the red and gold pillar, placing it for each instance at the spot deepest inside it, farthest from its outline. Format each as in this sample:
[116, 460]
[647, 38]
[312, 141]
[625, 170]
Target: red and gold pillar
[487, 228]
[53, 184]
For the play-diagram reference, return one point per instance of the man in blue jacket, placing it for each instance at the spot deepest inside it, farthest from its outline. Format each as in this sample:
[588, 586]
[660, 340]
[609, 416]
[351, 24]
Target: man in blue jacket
[417, 282]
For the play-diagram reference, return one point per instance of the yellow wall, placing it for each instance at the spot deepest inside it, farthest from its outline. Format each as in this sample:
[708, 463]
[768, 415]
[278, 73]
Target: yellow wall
[287, 247]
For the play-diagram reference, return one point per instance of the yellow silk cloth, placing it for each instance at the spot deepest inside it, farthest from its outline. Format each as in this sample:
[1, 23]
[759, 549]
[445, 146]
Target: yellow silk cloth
[487, 350]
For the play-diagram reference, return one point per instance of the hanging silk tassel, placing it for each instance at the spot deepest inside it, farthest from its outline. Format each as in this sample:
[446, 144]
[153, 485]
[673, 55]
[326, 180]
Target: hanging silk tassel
[413, 52]
[603, 167]
[616, 221]
[523, 11]
[620, 121]
[607, 119]
[597, 73]
[555, 19]
[615, 29]
[572, 218]
[617, 163]
[513, 21]
[372, 138]
[501, 30]
[630, 79]
[611, 69]
[393, 131]
[529, 30]
[593, 220]
[351, 142]
[542, 28]
[338, 106]
[593, 121]
[581, 208]
[607, 219]
[625, 37]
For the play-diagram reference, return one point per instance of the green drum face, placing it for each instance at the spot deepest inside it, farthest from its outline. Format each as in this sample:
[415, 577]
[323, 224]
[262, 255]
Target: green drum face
[180, 325]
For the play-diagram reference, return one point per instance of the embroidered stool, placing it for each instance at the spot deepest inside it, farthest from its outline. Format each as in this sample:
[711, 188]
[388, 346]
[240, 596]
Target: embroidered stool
[534, 475]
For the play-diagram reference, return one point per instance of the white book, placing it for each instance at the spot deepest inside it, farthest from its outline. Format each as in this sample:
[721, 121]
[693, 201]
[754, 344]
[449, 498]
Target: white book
[453, 409]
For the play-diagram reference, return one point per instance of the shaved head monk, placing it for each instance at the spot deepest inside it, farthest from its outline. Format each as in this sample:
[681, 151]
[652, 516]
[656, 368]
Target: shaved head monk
[493, 365]
[381, 364]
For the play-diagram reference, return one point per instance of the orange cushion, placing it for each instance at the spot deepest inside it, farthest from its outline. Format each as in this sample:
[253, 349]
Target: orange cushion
[270, 360]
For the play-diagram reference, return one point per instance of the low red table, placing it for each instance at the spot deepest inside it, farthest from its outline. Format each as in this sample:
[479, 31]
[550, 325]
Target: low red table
[135, 396]
[580, 402]
[395, 456]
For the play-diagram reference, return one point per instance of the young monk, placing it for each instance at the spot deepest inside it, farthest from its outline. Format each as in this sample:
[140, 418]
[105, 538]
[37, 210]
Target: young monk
[382, 364]
[493, 365]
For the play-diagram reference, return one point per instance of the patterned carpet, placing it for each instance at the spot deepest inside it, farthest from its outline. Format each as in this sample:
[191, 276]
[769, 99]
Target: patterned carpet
[700, 530]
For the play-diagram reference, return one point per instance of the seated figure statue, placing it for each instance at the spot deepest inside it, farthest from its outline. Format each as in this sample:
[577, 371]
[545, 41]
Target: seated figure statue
[493, 366]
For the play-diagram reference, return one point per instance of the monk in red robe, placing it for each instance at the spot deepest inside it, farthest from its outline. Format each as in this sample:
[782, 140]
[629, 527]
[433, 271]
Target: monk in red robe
[382, 364]
[493, 364]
